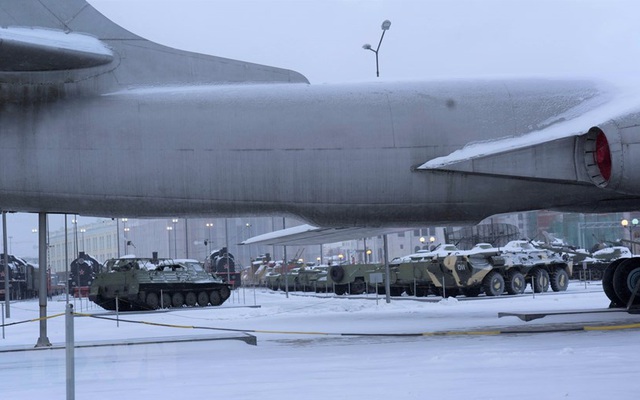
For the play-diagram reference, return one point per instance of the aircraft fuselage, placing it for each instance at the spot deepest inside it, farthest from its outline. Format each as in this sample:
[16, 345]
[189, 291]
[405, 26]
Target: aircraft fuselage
[332, 155]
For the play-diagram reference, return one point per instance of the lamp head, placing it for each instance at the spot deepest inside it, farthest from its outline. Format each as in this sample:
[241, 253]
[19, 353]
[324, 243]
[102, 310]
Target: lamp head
[386, 25]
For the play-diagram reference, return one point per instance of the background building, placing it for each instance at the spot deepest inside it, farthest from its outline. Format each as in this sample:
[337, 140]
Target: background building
[198, 237]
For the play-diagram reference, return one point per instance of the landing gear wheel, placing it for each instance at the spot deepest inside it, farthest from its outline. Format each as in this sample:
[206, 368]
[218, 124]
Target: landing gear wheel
[516, 283]
[559, 280]
[607, 283]
[493, 284]
[190, 299]
[177, 300]
[152, 301]
[540, 280]
[214, 298]
[625, 280]
[203, 299]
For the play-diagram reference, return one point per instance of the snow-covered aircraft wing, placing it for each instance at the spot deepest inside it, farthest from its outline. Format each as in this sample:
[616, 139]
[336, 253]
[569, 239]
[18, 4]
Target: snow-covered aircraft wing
[305, 235]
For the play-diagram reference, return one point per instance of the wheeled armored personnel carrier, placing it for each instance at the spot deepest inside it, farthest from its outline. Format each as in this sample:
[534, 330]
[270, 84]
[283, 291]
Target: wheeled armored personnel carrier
[487, 269]
[147, 284]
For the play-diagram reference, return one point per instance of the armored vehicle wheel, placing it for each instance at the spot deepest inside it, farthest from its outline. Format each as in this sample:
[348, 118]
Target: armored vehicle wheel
[166, 300]
[493, 284]
[190, 299]
[203, 299]
[357, 287]
[152, 301]
[214, 298]
[381, 289]
[516, 283]
[559, 280]
[540, 280]
[473, 291]
[626, 279]
[341, 289]
[422, 291]
[225, 293]
[177, 299]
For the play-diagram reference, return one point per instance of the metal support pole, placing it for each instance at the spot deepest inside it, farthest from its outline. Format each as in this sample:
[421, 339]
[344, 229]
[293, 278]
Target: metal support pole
[118, 236]
[69, 347]
[66, 261]
[7, 294]
[43, 340]
[186, 238]
[285, 267]
[387, 283]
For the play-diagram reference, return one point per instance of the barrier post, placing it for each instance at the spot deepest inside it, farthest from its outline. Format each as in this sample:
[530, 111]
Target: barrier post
[69, 347]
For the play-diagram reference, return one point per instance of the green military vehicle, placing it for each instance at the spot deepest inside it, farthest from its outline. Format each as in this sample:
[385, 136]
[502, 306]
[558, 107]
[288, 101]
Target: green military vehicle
[354, 278]
[150, 283]
[309, 279]
[412, 271]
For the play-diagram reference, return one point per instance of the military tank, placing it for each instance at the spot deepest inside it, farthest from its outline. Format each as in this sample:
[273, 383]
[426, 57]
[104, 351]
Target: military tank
[146, 284]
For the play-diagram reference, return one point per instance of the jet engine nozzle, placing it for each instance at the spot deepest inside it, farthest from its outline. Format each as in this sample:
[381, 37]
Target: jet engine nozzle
[612, 155]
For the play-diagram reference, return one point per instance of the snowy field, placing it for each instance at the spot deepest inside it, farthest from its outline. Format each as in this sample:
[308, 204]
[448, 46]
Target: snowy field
[304, 355]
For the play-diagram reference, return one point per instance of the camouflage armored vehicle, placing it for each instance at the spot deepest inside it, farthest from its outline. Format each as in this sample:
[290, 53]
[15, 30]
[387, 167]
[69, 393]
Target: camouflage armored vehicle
[541, 267]
[412, 271]
[489, 270]
[147, 284]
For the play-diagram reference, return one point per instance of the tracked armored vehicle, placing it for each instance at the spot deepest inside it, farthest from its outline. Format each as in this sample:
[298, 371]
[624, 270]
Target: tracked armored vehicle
[147, 284]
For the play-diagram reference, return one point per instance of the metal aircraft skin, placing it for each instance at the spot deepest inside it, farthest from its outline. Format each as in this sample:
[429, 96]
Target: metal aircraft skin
[97, 121]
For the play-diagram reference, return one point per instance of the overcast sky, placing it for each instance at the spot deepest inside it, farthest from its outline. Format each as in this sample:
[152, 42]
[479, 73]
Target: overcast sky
[322, 39]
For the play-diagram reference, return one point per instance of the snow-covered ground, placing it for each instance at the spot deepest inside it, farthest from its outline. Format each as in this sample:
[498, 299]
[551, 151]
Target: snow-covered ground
[304, 356]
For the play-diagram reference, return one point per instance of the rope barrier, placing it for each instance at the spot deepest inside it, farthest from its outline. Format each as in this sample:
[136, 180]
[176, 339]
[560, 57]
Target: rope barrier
[534, 330]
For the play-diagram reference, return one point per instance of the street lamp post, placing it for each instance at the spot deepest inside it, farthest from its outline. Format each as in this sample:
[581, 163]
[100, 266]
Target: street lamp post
[385, 27]
[82, 230]
[175, 238]
[75, 236]
[169, 229]
[125, 230]
[207, 242]
[634, 223]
